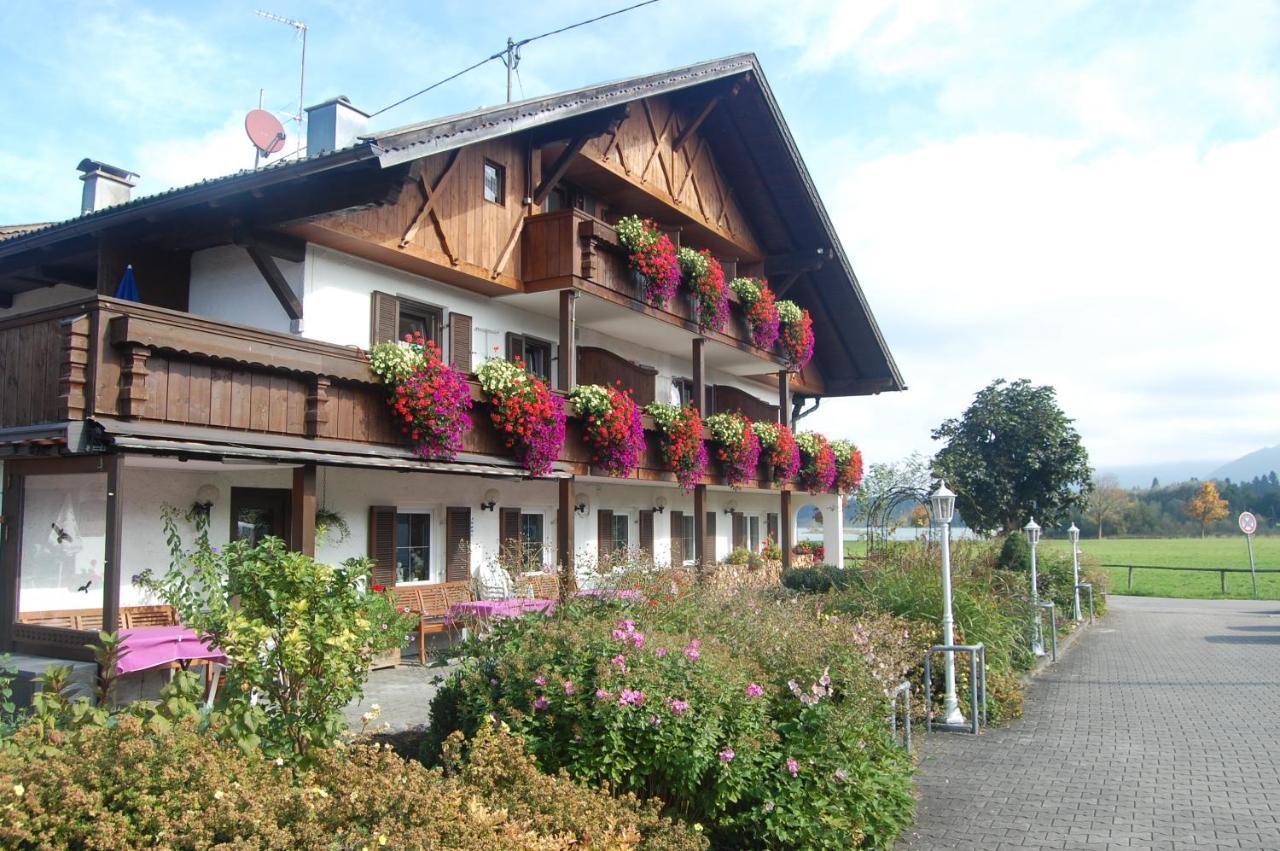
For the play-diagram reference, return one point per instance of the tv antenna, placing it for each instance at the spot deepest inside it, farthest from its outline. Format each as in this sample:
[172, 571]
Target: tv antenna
[301, 28]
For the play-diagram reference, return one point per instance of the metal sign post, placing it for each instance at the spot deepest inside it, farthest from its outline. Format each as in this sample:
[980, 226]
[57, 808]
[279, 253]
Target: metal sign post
[1249, 525]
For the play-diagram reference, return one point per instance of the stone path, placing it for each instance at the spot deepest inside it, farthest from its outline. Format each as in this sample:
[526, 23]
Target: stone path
[1158, 730]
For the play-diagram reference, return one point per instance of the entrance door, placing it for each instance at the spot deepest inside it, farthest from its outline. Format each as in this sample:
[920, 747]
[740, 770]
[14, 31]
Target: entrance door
[259, 512]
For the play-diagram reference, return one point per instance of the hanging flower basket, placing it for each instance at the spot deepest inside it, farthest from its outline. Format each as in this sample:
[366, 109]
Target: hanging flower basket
[817, 463]
[762, 311]
[682, 447]
[778, 445]
[652, 256]
[525, 412]
[796, 334]
[613, 427]
[848, 466]
[704, 277]
[429, 399]
[737, 447]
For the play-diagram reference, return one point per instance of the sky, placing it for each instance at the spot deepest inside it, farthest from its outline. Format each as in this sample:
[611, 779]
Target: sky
[1079, 193]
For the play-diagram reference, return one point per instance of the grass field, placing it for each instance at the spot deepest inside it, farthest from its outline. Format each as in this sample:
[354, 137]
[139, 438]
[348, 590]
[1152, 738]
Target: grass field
[1176, 552]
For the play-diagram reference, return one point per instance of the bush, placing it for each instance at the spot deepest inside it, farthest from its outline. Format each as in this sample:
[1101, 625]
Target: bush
[127, 785]
[748, 715]
[817, 580]
[1015, 553]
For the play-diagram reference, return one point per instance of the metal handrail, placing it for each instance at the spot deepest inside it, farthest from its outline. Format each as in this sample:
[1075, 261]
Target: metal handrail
[1053, 624]
[902, 691]
[977, 676]
[1089, 587]
[1221, 571]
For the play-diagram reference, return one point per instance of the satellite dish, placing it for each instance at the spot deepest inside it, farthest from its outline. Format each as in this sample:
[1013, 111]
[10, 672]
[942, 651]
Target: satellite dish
[265, 131]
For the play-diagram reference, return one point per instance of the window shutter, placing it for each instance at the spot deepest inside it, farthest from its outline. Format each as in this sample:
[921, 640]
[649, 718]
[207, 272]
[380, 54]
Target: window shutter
[515, 346]
[771, 526]
[384, 318]
[382, 544]
[739, 529]
[677, 538]
[646, 531]
[457, 541]
[460, 341]
[508, 527]
[604, 531]
[709, 539]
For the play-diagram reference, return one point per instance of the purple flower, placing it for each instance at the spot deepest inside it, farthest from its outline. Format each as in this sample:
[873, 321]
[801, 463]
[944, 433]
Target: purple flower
[493, 681]
[754, 690]
[620, 662]
[678, 707]
[540, 680]
[727, 755]
[692, 653]
[637, 638]
[541, 702]
[569, 687]
[793, 766]
[601, 694]
[825, 679]
[619, 635]
[630, 697]
[695, 644]
[661, 651]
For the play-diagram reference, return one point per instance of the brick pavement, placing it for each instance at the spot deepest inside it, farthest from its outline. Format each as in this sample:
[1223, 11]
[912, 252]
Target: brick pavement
[1158, 730]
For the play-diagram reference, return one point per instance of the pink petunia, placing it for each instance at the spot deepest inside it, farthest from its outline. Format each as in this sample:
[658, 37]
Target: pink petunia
[754, 690]
[569, 687]
[541, 702]
[793, 766]
[727, 755]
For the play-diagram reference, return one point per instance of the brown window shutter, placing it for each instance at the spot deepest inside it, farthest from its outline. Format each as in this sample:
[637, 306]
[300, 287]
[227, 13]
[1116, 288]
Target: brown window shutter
[515, 346]
[677, 538]
[460, 341]
[709, 538]
[509, 527]
[385, 318]
[771, 526]
[646, 531]
[457, 541]
[604, 531]
[739, 529]
[382, 544]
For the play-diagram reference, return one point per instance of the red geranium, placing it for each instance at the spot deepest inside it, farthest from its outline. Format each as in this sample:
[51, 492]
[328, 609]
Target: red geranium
[682, 447]
[429, 398]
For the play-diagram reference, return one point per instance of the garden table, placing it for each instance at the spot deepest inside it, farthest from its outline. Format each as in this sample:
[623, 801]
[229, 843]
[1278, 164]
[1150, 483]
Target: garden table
[491, 609]
[156, 646]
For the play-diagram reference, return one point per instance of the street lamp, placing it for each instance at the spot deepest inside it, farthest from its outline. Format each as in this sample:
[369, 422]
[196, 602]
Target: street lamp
[1074, 534]
[944, 508]
[1033, 537]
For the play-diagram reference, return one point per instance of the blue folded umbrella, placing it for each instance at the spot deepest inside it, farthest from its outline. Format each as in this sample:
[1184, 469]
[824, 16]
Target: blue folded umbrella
[128, 287]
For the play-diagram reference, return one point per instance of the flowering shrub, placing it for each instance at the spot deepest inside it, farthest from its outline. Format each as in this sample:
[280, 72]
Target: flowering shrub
[779, 445]
[704, 277]
[682, 446]
[762, 310]
[653, 256]
[811, 548]
[525, 412]
[429, 398]
[737, 447]
[614, 427]
[817, 462]
[848, 466]
[797, 333]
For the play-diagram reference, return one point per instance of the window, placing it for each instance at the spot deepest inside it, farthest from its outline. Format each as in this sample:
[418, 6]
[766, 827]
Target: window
[681, 391]
[621, 532]
[413, 547]
[686, 538]
[535, 353]
[495, 182]
[754, 541]
[531, 540]
[415, 317]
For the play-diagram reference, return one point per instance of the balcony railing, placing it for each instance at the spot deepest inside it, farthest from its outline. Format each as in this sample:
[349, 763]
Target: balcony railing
[117, 361]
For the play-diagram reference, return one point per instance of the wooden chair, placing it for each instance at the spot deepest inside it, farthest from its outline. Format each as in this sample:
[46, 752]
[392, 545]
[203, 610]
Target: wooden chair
[133, 617]
[431, 618]
[546, 586]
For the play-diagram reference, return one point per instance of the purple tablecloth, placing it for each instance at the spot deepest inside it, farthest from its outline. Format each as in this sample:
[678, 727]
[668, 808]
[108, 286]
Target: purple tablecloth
[485, 609]
[152, 646]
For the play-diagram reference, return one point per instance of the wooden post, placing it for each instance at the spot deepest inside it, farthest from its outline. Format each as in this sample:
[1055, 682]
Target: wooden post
[700, 490]
[699, 376]
[784, 524]
[10, 550]
[565, 537]
[114, 543]
[567, 373]
[302, 510]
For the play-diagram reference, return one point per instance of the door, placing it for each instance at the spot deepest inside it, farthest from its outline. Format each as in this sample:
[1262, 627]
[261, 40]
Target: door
[259, 512]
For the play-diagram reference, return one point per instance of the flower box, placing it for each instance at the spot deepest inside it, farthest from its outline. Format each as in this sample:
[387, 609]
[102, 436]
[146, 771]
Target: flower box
[389, 659]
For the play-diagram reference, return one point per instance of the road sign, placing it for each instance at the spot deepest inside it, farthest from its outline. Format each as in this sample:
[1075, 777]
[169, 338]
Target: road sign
[1248, 523]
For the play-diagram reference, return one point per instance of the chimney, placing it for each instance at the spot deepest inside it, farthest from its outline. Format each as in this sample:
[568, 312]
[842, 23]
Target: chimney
[104, 185]
[333, 125]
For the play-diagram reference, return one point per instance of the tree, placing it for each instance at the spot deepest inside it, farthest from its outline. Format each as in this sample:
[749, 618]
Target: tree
[1206, 506]
[1013, 454]
[1155, 483]
[919, 518]
[1107, 501]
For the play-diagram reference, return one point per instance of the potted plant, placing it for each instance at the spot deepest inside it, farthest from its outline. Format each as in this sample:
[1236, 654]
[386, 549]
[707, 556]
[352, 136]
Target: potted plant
[652, 256]
[429, 398]
[682, 447]
[525, 412]
[613, 427]
[761, 308]
[737, 447]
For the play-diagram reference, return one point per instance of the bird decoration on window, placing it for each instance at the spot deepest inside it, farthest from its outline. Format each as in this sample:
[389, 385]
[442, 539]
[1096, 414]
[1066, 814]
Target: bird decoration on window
[85, 587]
[62, 534]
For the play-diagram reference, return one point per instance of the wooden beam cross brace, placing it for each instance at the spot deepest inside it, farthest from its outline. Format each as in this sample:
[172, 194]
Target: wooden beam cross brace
[275, 279]
[430, 192]
[658, 136]
[559, 167]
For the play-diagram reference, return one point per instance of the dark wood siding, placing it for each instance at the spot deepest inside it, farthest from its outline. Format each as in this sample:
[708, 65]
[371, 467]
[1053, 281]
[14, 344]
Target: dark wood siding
[728, 399]
[382, 544]
[457, 542]
[600, 366]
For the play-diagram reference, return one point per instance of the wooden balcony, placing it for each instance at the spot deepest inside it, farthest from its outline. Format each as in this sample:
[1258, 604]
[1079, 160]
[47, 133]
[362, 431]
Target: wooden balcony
[203, 386]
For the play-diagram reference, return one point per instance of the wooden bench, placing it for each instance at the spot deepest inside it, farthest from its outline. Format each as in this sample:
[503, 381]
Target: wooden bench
[430, 603]
[90, 620]
[543, 586]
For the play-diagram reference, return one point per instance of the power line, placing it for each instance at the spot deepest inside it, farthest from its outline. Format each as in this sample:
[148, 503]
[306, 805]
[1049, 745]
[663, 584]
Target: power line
[510, 53]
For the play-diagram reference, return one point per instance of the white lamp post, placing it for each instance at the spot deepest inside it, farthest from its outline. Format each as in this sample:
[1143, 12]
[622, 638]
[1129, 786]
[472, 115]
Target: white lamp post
[1033, 537]
[944, 507]
[1074, 534]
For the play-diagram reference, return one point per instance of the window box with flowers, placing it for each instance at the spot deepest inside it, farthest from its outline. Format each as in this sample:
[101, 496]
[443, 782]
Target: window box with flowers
[612, 427]
[761, 308]
[778, 450]
[429, 399]
[817, 463]
[704, 277]
[737, 447]
[524, 412]
[682, 447]
[652, 256]
[848, 466]
[796, 335]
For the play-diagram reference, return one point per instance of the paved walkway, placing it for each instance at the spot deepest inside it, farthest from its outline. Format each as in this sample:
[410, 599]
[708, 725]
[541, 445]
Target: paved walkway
[1158, 730]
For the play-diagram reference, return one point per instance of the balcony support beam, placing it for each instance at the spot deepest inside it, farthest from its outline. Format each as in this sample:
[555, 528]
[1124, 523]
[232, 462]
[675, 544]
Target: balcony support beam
[565, 508]
[302, 514]
[275, 279]
[567, 368]
[784, 507]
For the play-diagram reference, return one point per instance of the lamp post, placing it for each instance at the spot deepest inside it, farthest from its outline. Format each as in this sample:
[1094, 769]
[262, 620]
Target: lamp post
[1033, 538]
[944, 506]
[1074, 534]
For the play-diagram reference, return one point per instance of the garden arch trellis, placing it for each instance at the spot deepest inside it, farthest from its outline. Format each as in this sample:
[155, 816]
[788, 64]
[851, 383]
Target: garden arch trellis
[882, 506]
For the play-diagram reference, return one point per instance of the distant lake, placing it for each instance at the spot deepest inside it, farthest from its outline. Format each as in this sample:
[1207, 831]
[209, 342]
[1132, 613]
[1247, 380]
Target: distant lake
[857, 533]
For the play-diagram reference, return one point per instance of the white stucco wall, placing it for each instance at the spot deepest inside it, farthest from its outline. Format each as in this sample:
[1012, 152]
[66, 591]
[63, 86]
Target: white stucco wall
[226, 285]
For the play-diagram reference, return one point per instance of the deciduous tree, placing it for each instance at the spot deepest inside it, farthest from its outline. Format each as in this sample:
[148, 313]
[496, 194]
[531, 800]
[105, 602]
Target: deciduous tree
[1011, 455]
[1206, 506]
[1107, 502]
